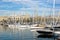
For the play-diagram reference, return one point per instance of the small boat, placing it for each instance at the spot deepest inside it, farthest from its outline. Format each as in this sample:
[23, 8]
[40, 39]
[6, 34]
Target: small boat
[45, 32]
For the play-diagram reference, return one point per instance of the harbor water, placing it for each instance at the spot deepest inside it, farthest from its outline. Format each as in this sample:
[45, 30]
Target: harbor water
[7, 33]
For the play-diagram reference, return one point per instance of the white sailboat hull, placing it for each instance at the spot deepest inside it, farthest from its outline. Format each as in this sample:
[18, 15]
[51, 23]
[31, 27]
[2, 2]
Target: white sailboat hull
[21, 26]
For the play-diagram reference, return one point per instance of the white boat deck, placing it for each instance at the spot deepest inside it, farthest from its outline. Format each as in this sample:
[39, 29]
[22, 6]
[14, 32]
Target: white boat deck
[57, 32]
[30, 27]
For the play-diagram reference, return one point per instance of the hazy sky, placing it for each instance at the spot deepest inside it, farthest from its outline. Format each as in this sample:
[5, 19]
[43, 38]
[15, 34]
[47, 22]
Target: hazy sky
[9, 7]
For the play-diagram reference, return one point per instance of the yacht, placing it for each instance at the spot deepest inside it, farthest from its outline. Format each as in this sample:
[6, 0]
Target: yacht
[45, 31]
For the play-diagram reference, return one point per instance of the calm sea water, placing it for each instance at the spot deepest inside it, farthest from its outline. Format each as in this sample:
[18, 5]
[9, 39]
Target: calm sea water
[7, 33]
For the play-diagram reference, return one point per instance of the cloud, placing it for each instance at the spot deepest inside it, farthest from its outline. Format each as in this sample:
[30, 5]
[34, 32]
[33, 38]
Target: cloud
[29, 6]
[18, 6]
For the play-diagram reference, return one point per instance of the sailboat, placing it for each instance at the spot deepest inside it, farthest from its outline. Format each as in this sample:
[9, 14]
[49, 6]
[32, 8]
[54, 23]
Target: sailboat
[45, 31]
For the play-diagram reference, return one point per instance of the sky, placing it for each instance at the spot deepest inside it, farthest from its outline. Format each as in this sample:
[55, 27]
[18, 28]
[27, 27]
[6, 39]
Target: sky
[19, 7]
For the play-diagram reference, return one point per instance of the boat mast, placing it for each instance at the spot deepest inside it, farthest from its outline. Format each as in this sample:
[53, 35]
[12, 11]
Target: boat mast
[53, 17]
[33, 18]
[20, 19]
[53, 11]
[44, 17]
[36, 15]
[14, 18]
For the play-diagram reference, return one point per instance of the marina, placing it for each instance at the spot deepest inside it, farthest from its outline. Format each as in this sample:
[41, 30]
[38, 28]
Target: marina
[38, 30]
[30, 20]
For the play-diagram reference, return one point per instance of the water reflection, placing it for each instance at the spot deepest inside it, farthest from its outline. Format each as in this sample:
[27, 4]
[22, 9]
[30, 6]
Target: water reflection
[44, 36]
[7, 33]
